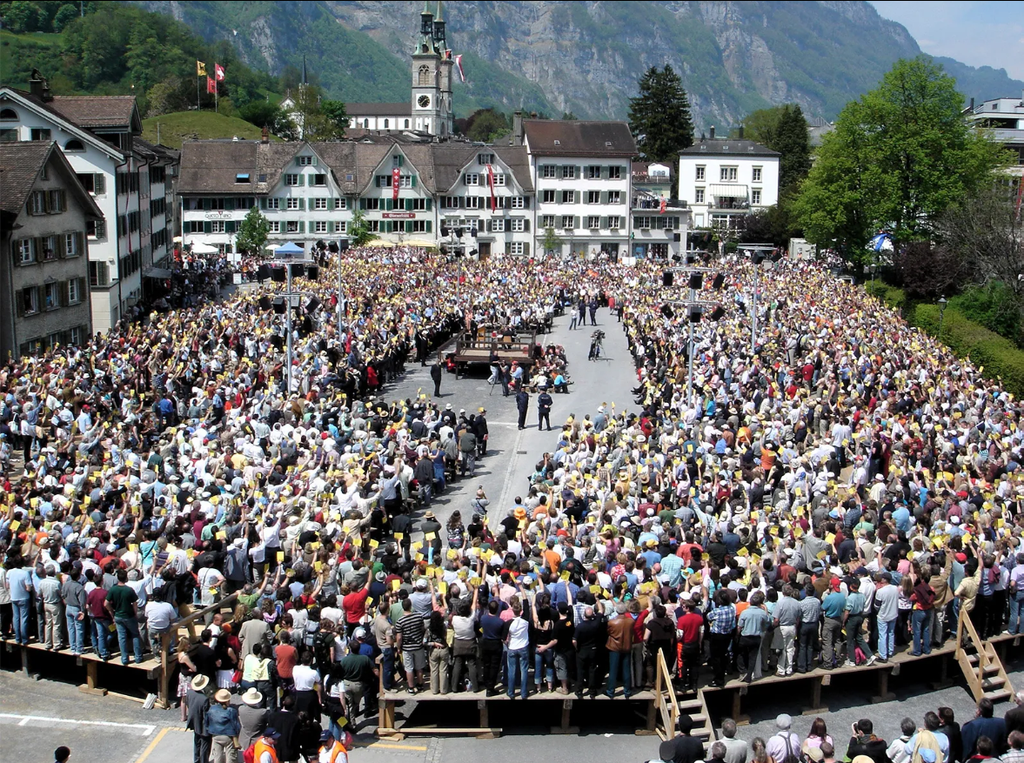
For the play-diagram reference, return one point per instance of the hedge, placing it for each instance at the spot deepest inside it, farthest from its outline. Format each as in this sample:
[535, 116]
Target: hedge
[890, 295]
[998, 357]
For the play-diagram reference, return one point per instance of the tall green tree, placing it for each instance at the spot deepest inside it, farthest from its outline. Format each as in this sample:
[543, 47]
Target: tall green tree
[551, 242]
[659, 116]
[899, 157]
[359, 232]
[320, 119]
[783, 129]
[253, 233]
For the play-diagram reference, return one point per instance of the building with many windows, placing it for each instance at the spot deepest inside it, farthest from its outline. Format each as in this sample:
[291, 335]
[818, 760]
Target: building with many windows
[44, 263]
[459, 196]
[723, 179]
[99, 136]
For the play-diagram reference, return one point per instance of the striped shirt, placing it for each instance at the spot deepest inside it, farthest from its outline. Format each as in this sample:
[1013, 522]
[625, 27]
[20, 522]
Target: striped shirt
[412, 630]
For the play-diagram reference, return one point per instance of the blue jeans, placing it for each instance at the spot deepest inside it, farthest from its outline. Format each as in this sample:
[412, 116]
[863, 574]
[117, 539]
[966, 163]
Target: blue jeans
[518, 658]
[922, 625]
[100, 636]
[387, 668]
[619, 662]
[1016, 613]
[544, 667]
[21, 611]
[886, 638]
[76, 629]
[128, 626]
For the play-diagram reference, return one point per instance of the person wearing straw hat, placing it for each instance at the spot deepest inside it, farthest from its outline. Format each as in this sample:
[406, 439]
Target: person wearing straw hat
[198, 704]
[223, 727]
[252, 717]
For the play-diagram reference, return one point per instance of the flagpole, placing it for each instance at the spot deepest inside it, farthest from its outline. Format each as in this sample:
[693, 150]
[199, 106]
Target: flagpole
[198, 106]
[216, 92]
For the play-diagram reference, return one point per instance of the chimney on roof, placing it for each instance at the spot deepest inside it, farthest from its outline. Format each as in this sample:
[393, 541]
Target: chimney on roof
[972, 105]
[39, 87]
[265, 138]
[517, 128]
[712, 135]
[741, 132]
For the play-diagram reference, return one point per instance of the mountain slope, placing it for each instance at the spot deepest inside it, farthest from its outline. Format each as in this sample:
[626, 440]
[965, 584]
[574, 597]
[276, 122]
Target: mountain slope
[587, 56]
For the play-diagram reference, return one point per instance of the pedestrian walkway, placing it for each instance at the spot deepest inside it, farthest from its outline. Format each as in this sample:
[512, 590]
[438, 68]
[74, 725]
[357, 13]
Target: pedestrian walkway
[513, 454]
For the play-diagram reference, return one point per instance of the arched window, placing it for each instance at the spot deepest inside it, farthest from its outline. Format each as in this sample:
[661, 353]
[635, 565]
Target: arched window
[385, 124]
[406, 124]
[74, 145]
[8, 115]
[366, 124]
[424, 75]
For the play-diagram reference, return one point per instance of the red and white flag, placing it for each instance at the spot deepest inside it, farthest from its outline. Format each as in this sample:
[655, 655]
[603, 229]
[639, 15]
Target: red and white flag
[661, 209]
[490, 184]
[211, 86]
[218, 72]
[458, 64]
[396, 180]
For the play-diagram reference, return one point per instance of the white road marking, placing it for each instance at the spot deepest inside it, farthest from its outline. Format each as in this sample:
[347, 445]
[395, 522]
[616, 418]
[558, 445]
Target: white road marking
[24, 720]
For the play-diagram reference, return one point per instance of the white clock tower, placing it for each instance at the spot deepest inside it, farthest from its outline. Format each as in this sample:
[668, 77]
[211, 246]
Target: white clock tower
[432, 77]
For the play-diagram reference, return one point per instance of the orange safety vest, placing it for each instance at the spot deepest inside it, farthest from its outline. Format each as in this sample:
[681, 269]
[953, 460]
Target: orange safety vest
[262, 747]
[338, 750]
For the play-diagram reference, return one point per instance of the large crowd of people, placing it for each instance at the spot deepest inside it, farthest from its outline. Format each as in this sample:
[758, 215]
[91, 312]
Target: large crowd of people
[843, 489]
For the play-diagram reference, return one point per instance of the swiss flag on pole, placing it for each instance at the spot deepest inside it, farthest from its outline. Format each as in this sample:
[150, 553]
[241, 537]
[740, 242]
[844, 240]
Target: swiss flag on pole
[396, 180]
[211, 86]
[218, 72]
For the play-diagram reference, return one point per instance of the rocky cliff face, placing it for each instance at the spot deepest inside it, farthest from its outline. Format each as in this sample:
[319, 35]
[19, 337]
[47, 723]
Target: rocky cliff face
[587, 56]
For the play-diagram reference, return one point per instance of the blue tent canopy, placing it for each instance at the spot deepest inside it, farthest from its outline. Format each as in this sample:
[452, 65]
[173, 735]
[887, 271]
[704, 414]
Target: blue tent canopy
[288, 250]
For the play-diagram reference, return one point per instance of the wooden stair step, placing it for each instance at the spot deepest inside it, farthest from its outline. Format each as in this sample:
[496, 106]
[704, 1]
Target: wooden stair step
[998, 695]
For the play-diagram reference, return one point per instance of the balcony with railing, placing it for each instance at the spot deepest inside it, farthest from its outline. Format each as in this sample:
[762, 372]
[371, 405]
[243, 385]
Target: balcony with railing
[643, 201]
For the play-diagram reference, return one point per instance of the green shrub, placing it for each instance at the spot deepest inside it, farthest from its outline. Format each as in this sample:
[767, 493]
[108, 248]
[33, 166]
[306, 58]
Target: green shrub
[998, 357]
[993, 306]
[890, 295]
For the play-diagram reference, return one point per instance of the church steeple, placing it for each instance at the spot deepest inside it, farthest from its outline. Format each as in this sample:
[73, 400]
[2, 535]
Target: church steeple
[426, 43]
[439, 34]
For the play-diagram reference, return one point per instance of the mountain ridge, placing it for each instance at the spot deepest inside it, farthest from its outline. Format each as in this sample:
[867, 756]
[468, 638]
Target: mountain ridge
[586, 57]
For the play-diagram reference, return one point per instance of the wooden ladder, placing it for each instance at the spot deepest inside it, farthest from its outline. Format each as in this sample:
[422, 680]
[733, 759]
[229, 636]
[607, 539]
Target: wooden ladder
[669, 708]
[980, 664]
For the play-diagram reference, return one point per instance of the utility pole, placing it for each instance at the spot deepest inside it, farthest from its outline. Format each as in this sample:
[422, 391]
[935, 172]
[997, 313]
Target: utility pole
[753, 314]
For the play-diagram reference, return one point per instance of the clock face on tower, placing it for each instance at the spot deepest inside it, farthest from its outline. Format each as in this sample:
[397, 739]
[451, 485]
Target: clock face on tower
[424, 101]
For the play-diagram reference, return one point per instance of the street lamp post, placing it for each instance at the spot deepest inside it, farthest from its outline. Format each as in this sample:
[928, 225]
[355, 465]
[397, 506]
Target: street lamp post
[942, 311]
[753, 313]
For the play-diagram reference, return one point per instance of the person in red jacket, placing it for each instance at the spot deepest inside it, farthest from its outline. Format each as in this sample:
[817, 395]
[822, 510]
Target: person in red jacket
[353, 603]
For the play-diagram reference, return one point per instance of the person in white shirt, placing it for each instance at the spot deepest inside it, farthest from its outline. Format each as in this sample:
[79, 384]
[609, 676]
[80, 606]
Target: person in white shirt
[307, 686]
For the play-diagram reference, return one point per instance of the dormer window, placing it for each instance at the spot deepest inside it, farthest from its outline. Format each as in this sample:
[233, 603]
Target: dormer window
[242, 177]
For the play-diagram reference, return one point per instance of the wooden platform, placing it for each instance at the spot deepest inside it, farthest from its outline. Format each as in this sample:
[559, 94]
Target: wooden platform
[477, 350]
[882, 671]
[60, 661]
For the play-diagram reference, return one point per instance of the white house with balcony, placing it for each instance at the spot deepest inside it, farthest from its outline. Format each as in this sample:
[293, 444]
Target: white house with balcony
[721, 180]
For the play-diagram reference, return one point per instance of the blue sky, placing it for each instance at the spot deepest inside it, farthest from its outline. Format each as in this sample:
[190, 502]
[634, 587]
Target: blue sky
[976, 33]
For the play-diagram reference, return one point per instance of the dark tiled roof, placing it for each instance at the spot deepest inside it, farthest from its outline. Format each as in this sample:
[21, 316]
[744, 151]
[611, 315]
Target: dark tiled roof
[210, 166]
[551, 137]
[729, 147]
[91, 111]
[378, 109]
[19, 167]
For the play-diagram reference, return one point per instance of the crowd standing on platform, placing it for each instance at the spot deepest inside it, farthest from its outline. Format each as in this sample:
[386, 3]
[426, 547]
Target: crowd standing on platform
[847, 489]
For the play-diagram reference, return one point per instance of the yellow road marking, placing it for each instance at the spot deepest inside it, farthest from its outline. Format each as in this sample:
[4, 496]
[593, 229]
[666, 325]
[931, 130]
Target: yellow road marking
[153, 745]
[384, 745]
